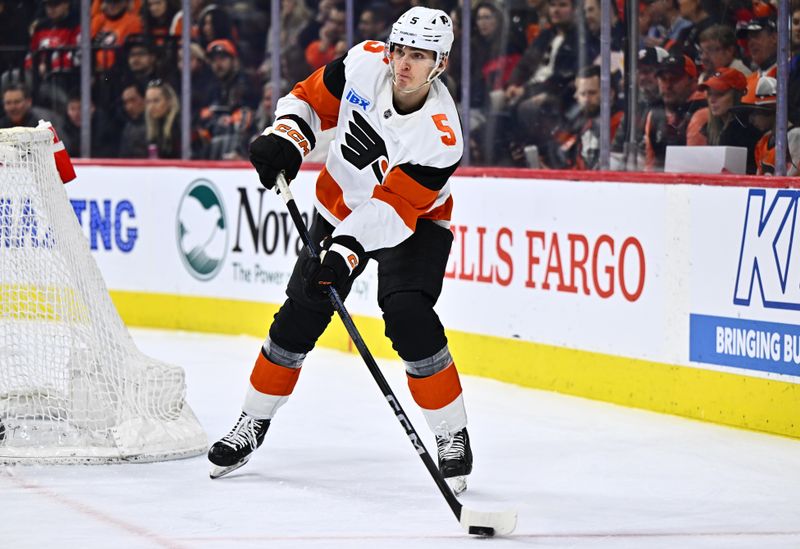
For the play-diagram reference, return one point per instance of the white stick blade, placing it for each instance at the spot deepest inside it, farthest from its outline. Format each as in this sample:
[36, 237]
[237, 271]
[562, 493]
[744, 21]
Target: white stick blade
[488, 523]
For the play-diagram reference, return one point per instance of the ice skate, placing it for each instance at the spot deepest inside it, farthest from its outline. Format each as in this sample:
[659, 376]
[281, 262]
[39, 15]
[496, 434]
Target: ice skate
[234, 449]
[455, 459]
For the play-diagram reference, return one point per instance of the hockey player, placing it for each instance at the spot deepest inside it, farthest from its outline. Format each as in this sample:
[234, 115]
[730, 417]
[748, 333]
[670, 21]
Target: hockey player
[384, 195]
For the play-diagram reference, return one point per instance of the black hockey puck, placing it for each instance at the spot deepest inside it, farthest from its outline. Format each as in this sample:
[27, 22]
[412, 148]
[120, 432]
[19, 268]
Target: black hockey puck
[486, 531]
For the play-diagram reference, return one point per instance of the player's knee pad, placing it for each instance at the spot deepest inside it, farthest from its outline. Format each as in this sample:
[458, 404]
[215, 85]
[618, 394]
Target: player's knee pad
[297, 326]
[413, 325]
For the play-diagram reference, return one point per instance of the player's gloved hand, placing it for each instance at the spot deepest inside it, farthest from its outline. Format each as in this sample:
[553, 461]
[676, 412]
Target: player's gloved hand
[280, 147]
[340, 259]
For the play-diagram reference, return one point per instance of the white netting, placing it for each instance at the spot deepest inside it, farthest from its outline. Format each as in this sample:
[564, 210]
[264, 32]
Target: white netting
[73, 386]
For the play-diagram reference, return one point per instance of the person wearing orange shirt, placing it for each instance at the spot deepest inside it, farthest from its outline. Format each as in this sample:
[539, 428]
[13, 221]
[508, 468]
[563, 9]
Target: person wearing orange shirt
[110, 29]
[761, 108]
[322, 51]
[761, 35]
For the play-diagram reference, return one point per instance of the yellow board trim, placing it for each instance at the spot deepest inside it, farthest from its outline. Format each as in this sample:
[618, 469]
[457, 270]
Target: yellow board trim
[741, 401]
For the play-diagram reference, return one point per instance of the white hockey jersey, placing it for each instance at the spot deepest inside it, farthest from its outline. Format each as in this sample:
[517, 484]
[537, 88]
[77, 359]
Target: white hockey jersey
[384, 170]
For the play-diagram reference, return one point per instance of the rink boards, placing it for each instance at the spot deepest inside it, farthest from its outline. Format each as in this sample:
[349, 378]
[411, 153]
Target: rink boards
[657, 293]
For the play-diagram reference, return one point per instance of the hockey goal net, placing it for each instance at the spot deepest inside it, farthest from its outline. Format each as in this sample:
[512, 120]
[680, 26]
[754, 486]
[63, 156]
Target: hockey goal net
[73, 386]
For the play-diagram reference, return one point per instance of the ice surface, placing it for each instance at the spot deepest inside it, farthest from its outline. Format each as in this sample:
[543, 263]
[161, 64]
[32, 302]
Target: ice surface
[336, 470]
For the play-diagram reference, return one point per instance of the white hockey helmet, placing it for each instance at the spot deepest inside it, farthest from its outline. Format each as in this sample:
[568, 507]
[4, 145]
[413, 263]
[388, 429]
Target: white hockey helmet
[426, 29]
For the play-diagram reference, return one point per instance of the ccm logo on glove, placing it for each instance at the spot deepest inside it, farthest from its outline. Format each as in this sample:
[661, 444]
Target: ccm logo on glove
[294, 134]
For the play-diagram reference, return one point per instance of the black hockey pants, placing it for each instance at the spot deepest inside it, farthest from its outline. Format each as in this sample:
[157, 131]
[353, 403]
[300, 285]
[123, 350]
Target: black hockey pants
[410, 279]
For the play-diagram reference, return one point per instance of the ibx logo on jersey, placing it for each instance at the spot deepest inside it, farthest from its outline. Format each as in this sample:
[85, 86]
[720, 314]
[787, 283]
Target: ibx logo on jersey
[364, 147]
[357, 100]
[770, 251]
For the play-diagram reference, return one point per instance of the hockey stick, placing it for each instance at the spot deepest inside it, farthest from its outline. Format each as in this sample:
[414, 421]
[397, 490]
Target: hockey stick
[475, 522]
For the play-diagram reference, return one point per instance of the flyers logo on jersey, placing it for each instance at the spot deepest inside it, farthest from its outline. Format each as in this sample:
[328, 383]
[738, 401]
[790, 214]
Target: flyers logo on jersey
[364, 146]
[357, 100]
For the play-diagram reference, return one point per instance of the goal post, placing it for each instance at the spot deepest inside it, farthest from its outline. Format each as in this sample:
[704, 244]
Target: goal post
[74, 388]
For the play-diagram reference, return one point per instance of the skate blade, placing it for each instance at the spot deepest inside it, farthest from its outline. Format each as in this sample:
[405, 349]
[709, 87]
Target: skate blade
[219, 471]
[457, 484]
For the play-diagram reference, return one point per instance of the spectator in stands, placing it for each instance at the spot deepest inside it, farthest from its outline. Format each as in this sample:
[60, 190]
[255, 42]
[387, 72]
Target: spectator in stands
[322, 51]
[649, 59]
[666, 23]
[16, 17]
[105, 137]
[226, 124]
[718, 48]
[157, 16]
[110, 29]
[592, 17]
[529, 18]
[201, 76]
[50, 60]
[141, 59]
[196, 7]
[374, 23]
[761, 107]
[162, 119]
[546, 72]
[230, 87]
[794, 64]
[135, 6]
[676, 123]
[494, 54]
[251, 21]
[762, 44]
[581, 150]
[688, 41]
[133, 140]
[266, 109]
[17, 104]
[294, 16]
[215, 24]
[311, 30]
[726, 126]
[795, 36]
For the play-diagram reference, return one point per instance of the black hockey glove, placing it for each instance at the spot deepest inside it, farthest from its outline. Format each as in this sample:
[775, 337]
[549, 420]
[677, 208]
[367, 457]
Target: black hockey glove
[341, 257]
[280, 147]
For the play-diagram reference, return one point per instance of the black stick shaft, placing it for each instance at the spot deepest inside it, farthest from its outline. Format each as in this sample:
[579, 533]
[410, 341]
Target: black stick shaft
[347, 320]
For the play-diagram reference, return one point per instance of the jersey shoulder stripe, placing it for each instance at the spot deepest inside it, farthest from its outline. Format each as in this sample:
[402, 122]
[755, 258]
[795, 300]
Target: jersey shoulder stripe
[333, 77]
[316, 94]
[428, 176]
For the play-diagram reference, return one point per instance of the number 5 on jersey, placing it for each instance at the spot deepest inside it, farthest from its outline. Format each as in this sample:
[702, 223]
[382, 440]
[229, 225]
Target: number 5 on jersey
[449, 138]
